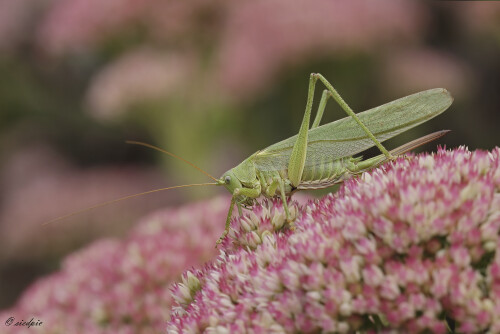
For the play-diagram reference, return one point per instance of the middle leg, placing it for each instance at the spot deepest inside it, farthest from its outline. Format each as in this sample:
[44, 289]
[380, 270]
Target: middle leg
[322, 104]
[270, 191]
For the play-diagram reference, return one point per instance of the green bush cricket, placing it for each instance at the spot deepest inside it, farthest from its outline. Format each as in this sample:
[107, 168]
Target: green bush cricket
[321, 156]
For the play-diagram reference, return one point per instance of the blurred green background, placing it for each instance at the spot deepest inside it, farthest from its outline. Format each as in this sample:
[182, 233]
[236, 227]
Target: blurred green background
[210, 81]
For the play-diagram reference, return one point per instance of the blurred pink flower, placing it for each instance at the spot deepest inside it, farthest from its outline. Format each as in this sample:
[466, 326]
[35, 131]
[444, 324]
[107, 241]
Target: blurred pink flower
[11, 22]
[262, 37]
[15, 19]
[142, 74]
[400, 248]
[72, 26]
[186, 22]
[117, 286]
[254, 40]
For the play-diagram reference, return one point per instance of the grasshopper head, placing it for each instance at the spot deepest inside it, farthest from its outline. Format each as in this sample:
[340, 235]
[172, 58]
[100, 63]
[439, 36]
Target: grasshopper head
[230, 181]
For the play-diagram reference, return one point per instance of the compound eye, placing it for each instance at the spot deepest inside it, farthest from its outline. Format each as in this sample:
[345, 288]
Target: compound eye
[227, 179]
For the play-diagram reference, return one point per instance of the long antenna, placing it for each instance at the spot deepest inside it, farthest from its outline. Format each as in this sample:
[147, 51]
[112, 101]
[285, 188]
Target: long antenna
[172, 155]
[124, 198]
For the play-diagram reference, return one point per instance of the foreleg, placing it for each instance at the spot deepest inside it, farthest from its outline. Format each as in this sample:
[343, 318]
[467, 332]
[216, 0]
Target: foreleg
[299, 151]
[228, 221]
[245, 192]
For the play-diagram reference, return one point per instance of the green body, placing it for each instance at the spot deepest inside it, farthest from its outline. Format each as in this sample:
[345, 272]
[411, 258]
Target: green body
[321, 156]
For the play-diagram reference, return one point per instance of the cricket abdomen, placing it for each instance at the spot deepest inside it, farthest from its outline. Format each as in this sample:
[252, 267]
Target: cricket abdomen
[327, 172]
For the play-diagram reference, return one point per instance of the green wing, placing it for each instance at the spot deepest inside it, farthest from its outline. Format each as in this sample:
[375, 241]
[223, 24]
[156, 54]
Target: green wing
[344, 138]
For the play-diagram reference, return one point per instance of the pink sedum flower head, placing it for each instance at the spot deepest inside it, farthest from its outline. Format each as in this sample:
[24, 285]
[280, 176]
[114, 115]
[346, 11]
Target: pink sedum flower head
[123, 286]
[412, 246]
